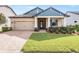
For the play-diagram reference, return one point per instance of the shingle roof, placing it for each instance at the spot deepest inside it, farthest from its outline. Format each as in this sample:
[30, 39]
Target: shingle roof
[8, 7]
[33, 12]
[50, 12]
[75, 12]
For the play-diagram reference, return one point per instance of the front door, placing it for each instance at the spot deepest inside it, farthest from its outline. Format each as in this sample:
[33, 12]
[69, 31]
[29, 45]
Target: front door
[41, 23]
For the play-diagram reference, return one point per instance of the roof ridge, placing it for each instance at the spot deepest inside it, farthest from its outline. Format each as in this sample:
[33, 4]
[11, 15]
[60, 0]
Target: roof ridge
[32, 10]
[72, 12]
[52, 9]
[41, 12]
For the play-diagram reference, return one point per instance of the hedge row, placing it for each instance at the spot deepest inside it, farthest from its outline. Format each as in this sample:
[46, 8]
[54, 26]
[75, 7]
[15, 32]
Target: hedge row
[5, 29]
[77, 27]
[63, 30]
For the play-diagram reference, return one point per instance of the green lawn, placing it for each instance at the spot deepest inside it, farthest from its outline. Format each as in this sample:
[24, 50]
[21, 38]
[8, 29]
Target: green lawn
[47, 42]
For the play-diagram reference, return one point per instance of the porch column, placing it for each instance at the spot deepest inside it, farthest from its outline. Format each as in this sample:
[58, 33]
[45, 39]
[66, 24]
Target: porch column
[36, 22]
[64, 22]
[48, 22]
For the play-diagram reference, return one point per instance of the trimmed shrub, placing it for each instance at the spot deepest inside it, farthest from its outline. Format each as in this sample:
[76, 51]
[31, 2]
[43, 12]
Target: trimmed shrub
[57, 30]
[74, 28]
[54, 30]
[62, 30]
[70, 30]
[5, 29]
[77, 27]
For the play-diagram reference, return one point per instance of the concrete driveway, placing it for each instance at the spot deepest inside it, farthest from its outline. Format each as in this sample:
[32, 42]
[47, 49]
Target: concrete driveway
[13, 41]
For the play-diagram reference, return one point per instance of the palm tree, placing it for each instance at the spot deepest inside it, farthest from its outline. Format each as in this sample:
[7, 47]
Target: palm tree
[2, 19]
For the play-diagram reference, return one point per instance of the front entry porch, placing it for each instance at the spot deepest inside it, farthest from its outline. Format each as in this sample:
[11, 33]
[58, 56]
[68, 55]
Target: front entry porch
[43, 23]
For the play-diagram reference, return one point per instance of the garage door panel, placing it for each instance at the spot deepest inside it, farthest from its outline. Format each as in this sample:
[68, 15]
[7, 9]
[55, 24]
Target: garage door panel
[24, 25]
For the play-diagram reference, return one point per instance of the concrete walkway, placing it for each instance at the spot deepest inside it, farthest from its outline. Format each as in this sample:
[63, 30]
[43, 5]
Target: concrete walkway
[13, 41]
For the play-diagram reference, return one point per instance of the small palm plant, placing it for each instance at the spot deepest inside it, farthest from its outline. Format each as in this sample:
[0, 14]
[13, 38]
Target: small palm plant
[2, 19]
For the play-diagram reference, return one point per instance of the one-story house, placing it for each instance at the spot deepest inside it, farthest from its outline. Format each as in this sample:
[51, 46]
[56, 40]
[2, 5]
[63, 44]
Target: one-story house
[36, 18]
[73, 19]
[7, 12]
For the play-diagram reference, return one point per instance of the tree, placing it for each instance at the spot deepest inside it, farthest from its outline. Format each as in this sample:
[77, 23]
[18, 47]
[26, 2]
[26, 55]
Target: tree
[2, 19]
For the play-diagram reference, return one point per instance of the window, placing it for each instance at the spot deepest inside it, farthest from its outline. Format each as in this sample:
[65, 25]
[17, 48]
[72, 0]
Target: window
[53, 22]
[75, 21]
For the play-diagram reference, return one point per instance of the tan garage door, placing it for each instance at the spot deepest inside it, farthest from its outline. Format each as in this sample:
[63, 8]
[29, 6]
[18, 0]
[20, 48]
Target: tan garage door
[24, 25]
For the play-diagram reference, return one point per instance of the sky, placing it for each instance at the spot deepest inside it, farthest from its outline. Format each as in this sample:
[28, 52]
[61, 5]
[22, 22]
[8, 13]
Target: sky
[20, 9]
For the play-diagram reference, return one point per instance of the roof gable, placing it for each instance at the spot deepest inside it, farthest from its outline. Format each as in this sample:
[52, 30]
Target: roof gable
[33, 12]
[50, 12]
[8, 7]
[74, 12]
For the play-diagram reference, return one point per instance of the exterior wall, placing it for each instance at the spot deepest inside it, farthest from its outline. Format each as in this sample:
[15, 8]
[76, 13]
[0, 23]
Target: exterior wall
[73, 17]
[22, 19]
[7, 12]
[28, 23]
[60, 22]
[64, 21]
[59, 18]
[46, 22]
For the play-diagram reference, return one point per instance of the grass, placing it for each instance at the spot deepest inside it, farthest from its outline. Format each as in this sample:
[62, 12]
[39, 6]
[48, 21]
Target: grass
[47, 42]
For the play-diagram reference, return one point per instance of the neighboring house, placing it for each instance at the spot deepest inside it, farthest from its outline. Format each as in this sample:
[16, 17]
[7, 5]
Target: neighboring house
[38, 18]
[7, 11]
[73, 19]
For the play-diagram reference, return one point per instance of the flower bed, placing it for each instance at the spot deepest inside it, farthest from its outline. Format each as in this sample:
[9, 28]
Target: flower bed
[63, 30]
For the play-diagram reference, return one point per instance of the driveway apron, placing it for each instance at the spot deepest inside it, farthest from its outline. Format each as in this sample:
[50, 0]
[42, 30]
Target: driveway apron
[13, 41]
